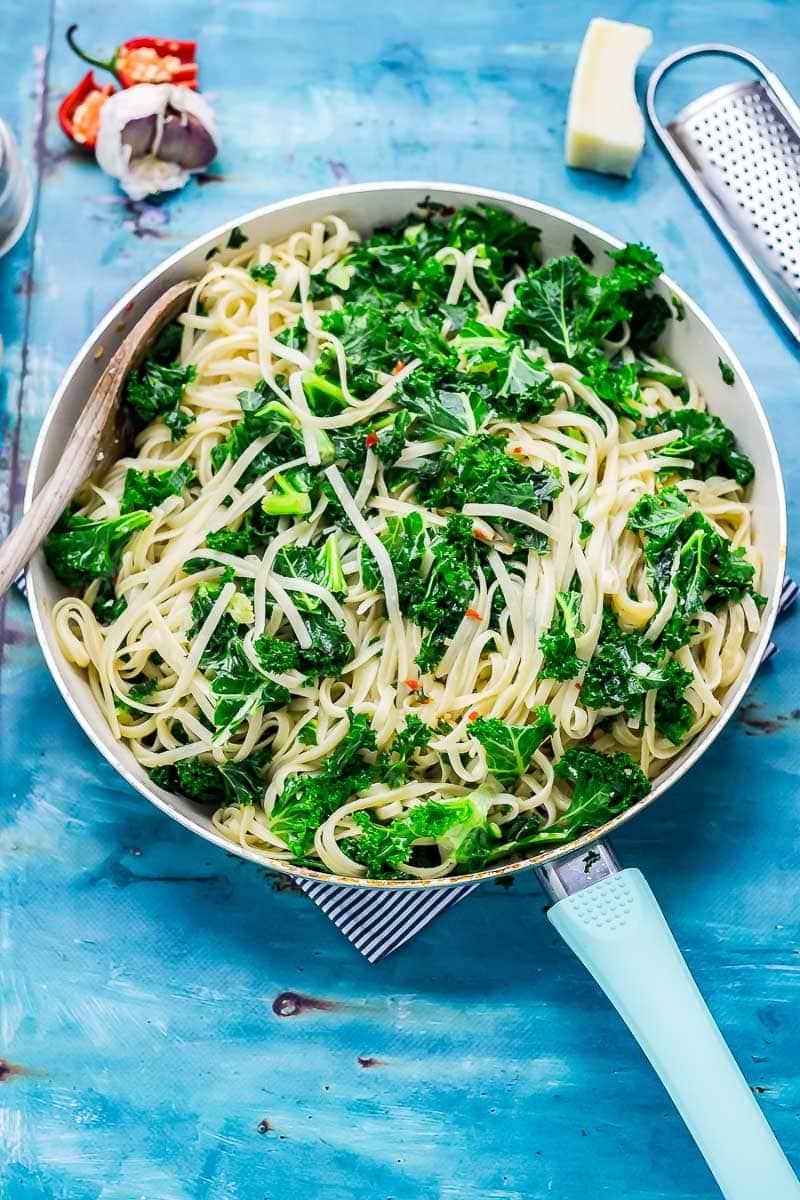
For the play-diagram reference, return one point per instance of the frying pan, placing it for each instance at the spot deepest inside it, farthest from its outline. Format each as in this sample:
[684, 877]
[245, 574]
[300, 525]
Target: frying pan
[607, 915]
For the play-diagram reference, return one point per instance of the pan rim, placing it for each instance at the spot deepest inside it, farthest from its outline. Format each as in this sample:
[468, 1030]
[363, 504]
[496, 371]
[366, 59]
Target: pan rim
[163, 800]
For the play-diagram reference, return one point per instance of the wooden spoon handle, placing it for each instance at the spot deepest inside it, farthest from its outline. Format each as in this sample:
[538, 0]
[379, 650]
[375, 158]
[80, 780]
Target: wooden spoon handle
[79, 458]
[75, 466]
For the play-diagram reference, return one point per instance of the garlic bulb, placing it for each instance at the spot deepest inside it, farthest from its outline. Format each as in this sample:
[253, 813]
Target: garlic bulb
[153, 136]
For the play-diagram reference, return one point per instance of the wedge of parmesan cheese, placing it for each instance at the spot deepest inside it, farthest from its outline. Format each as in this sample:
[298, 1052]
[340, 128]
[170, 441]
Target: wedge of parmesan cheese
[605, 127]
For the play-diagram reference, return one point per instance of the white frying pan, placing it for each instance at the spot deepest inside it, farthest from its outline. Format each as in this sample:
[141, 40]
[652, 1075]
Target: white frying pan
[608, 916]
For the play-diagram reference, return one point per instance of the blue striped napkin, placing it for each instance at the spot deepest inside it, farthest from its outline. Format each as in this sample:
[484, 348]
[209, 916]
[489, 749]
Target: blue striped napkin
[378, 922]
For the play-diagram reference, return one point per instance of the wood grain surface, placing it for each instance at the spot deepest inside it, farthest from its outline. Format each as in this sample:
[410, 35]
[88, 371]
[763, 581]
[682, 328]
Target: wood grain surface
[145, 1051]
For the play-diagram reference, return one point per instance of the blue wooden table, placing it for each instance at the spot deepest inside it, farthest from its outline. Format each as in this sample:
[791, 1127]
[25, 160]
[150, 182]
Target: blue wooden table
[140, 1053]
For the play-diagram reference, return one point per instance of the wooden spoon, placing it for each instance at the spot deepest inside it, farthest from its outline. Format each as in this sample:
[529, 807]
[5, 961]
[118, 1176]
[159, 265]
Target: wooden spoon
[101, 435]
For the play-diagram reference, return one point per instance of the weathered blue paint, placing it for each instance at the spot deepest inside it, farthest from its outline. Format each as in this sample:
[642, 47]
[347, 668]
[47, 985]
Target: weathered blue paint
[138, 966]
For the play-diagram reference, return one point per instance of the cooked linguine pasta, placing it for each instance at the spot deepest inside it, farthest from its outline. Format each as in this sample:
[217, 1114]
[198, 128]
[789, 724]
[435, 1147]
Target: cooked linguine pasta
[423, 558]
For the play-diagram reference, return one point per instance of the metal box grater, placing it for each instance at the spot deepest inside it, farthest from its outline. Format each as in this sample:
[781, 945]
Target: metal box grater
[738, 148]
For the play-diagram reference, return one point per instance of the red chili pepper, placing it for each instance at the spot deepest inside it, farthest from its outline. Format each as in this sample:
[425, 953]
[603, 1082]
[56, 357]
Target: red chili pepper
[397, 368]
[411, 684]
[473, 615]
[79, 112]
[371, 440]
[478, 533]
[146, 60]
[473, 716]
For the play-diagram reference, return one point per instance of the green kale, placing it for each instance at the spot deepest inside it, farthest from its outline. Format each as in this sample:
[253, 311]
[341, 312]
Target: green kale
[325, 397]
[330, 648]
[264, 274]
[139, 692]
[308, 734]
[240, 689]
[567, 310]
[636, 267]
[395, 765]
[206, 781]
[726, 371]
[680, 310]
[390, 433]
[107, 605]
[479, 471]
[307, 800]
[660, 517]
[295, 337]
[288, 495]
[381, 848]
[703, 438]
[624, 668]
[557, 644]
[446, 593]
[449, 412]
[236, 239]
[564, 309]
[277, 656]
[682, 549]
[79, 549]
[648, 319]
[146, 489]
[674, 715]
[509, 748]
[321, 566]
[618, 387]
[231, 541]
[359, 737]
[227, 629]
[404, 539]
[603, 786]
[522, 387]
[261, 416]
[156, 390]
[462, 830]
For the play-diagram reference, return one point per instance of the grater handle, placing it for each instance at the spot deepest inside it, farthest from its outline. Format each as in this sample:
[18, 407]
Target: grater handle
[724, 50]
[617, 930]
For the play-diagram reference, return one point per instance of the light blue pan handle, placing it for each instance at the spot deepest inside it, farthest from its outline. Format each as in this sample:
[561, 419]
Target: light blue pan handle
[619, 933]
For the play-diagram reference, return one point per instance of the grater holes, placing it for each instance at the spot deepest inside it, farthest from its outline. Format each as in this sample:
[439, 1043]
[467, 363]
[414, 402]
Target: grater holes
[749, 157]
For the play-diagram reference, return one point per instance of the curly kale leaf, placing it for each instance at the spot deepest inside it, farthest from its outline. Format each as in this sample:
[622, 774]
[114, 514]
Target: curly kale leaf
[79, 549]
[522, 387]
[617, 386]
[603, 785]
[446, 593]
[404, 539]
[449, 410]
[330, 650]
[683, 550]
[395, 765]
[624, 668]
[462, 829]
[322, 566]
[509, 748]
[565, 309]
[146, 489]
[263, 415]
[211, 783]
[479, 471]
[240, 689]
[557, 644]
[569, 311]
[307, 800]
[703, 438]
[156, 390]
